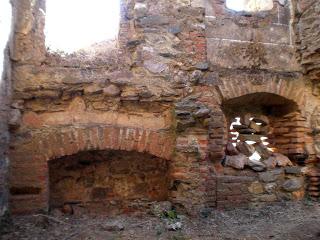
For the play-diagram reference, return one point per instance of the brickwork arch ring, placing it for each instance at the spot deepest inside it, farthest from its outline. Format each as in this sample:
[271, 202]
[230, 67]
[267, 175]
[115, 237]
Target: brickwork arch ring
[56, 143]
[29, 159]
[287, 89]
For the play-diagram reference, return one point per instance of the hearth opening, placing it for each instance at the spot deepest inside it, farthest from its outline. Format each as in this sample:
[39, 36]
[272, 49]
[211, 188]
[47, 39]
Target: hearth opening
[108, 182]
[264, 131]
[79, 25]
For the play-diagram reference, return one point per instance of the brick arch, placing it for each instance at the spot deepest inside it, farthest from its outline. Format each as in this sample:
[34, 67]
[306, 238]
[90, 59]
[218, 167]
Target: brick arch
[288, 89]
[29, 160]
[159, 144]
[290, 128]
[61, 142]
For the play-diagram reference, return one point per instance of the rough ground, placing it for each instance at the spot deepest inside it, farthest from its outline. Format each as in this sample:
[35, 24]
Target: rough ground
[283, 221]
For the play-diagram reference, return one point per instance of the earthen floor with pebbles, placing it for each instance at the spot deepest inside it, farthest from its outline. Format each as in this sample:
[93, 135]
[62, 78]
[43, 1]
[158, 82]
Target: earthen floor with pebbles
[281, 221]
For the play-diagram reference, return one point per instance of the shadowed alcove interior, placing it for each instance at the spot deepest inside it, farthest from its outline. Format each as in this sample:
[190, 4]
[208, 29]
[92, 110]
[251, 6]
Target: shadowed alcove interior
[262, 122]
[266, 103]
[109, 182]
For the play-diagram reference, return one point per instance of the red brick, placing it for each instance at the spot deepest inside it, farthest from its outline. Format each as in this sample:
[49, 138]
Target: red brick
[143, 141]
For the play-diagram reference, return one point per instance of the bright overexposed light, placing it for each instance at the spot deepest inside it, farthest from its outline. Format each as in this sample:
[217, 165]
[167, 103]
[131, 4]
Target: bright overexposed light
[265, 141]
[72, 25]
[255, 156]
[5, 27]
[250, 142]
[250, 5]
[235, 135]
[236, 122]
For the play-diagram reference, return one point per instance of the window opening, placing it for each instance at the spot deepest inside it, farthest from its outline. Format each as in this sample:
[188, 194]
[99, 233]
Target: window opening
[249, 5]
[74, 25]
[5, 27]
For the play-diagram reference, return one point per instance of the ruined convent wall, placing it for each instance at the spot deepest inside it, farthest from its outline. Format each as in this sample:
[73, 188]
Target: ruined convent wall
[4, 138]
[163, 89]
[5, 99]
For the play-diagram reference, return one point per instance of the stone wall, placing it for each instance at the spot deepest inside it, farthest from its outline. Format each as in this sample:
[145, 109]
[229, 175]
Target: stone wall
[110, 182]
[307, 39]
[161, 89]
[250, 41]
[4, 138]
[5, 98]
[246, 188]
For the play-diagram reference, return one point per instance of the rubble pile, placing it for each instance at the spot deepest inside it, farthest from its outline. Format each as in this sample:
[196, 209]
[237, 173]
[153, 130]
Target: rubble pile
[250, 148]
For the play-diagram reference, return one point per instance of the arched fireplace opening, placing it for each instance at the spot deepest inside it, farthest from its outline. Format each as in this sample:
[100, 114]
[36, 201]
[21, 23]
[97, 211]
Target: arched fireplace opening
[266, 133]
[264, 125]
[107, 182]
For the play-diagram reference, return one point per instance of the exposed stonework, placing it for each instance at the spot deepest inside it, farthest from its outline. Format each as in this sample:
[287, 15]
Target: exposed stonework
[5, 98]
[108, 181]
[4, 138]
[180, 71]
[308, 37]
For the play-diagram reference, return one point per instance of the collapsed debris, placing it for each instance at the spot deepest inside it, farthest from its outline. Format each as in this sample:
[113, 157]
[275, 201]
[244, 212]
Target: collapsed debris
[250, 148]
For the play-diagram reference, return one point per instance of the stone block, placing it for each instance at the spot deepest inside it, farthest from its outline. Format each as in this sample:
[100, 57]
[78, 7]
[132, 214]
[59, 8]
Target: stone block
[153, 21]
[230, 29]
[250, 137]
[234, 54]
[270, 163]
[271, 176]
[270, 187]
[256, 188]
[140, 10]
[282, 160]
[236, 161]
[295, 170]
[262, 150]
[231, 150]
[245, 148]
[198, 3]
[256, 165]
[292, 185]
[267, 198]
[93, 89]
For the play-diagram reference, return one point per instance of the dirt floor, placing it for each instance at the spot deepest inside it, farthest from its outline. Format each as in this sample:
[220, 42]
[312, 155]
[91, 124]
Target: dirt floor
[283, 221]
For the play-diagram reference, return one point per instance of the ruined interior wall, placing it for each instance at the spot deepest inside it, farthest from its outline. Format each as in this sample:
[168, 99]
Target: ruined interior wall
[110, 182]
[134, 86]
[252, 53]
[175, 64]
[307, 23]
[292, 135]
[5, 98]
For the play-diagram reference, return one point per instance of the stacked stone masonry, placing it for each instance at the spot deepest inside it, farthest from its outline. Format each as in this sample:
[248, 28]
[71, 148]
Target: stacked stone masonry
[166, 91]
